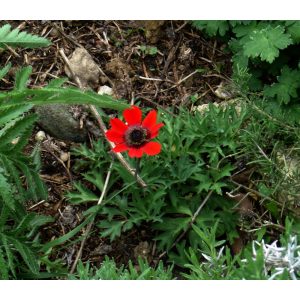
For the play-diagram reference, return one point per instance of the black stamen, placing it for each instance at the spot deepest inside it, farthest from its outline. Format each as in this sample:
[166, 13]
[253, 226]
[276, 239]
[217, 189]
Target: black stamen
[136, 136]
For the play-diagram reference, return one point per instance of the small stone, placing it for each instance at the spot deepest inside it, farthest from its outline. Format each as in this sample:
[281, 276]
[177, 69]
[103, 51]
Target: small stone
[40, 136]
[105, 90]
[64, 156]
[84, 67]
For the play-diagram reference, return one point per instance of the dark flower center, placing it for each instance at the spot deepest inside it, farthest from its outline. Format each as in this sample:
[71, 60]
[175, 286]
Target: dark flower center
[136, 136]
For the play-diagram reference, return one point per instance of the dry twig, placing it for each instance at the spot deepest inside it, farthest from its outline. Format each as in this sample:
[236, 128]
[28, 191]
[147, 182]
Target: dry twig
[101, 124]
[118, 155]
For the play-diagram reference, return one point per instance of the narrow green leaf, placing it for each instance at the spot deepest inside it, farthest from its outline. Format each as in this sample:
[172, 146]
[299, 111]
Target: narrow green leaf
[58, 95]
[67, 236]
[9, 254]
[4, 70]
[6, 193]
[26, 253]
[22, 77]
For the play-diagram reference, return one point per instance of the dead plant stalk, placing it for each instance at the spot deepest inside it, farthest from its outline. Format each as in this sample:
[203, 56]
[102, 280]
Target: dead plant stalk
[118, 155]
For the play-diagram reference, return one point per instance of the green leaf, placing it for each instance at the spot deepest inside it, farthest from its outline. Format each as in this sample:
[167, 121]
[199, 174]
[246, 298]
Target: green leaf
[4, 71]
[58, 95]
[217, 187]
[26, 253]
[22, 77]
[11, 113]
[83, 195]
[3, 267]
[148, 50]
[15, 129]
[15, 38]
[112, 229]
[68, 235]
[57, 82]
[286, 87]
[266, 43]
[294, 30]
[5, 191]
[14, 173]
[212, 27]
[9, 254]
[223, 172]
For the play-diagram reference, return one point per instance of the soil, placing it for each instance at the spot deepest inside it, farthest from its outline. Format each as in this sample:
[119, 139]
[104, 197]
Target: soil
[162, 75]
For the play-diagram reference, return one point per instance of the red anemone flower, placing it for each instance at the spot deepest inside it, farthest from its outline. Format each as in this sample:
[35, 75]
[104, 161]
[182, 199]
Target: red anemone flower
[135, 135]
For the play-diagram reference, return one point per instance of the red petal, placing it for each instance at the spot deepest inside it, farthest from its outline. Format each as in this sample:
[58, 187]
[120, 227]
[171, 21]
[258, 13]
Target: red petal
[150, 119]
[152, 148]
[114, 136]
[133, 115]
[118, 125]
[135, 152]
[154, 130]
[120, 148]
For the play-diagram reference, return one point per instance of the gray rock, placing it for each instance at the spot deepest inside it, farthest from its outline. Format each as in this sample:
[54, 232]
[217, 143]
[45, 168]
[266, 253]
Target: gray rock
[58, 121]
[84, 67]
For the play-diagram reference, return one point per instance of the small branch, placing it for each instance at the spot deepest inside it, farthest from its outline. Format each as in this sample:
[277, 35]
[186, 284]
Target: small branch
[181, 81]
[112, 145]
[67, 62]
[189, 225]
[79, 253]
[66, 36]
[101, 124]
[106, 183]
[200, 207]
[180, 27]
[149, 78]
[12, 51]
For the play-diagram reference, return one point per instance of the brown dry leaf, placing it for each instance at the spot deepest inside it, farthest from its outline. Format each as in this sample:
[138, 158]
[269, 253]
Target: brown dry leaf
[244, 203]
[243, 177]
[237, 245]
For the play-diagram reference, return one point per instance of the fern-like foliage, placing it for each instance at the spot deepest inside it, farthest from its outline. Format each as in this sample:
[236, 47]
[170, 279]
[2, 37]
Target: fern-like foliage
[19, 175]
[15, 38]
[21, 253]
[19, 182]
